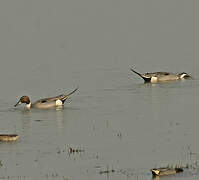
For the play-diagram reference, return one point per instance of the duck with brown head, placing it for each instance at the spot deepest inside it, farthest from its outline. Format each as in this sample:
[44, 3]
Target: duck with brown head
[24, 99]
[45, 103]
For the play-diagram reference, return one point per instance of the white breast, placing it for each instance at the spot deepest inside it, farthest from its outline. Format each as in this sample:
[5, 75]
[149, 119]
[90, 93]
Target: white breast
[59, 103]
[28, 106]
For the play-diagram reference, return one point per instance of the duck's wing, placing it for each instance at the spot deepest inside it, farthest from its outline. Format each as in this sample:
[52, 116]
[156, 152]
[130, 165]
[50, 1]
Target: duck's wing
[47, 100]
[158, 74]
[61, 97]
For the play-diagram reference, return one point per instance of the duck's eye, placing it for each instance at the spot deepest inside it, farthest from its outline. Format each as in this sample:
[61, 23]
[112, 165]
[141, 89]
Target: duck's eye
[43, 101]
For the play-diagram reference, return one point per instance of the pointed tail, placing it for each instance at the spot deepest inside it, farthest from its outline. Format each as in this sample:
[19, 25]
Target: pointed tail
[66, 96]
[137, 73]
[146, 79]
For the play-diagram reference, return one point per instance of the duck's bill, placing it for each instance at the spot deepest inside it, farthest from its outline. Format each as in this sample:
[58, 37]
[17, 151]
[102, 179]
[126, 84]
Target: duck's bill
[18, 103]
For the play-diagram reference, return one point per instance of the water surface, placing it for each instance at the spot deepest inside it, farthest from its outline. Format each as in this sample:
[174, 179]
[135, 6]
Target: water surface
[121, 125]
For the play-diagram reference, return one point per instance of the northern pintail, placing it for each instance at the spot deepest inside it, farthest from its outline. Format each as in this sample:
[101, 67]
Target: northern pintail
[162, 76]
[45, 103]
[165, 171]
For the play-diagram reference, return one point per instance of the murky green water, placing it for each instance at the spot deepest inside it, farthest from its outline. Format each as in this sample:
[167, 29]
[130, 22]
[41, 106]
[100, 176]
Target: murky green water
[114, 123]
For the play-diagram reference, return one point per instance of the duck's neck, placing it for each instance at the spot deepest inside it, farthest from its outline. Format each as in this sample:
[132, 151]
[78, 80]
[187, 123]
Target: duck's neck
[28, 106]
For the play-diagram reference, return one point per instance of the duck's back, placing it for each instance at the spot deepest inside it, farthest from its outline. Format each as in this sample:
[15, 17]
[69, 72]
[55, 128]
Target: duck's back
[169, 77]
[158, 74]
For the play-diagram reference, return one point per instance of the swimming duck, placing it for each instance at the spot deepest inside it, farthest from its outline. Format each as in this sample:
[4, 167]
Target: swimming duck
[162, 76]
[165, 171]
[45, 103]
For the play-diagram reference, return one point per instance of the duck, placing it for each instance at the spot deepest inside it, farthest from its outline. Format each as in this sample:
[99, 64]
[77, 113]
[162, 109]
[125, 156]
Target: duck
[156, 77]
[45, 103]
[165, 171]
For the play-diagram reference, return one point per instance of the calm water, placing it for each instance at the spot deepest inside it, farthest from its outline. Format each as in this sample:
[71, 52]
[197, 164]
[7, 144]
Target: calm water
[121, 125]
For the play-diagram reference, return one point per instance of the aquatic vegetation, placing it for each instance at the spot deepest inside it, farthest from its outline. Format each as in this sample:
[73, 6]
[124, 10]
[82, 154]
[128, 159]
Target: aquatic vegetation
[75, 150]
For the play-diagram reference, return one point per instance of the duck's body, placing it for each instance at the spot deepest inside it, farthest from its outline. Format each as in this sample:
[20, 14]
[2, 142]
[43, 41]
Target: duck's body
[156, 77]
[165, 171]
[45, 103]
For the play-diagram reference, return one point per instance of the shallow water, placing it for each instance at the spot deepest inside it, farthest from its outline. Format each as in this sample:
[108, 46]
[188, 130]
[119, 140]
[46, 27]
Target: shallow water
[118, 127]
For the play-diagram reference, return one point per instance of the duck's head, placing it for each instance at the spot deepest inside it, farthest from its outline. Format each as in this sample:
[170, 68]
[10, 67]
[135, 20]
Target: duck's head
[184, 75]
[23, 99]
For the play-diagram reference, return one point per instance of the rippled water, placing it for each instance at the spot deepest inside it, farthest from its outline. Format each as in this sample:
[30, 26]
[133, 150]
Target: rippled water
[115, 126]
